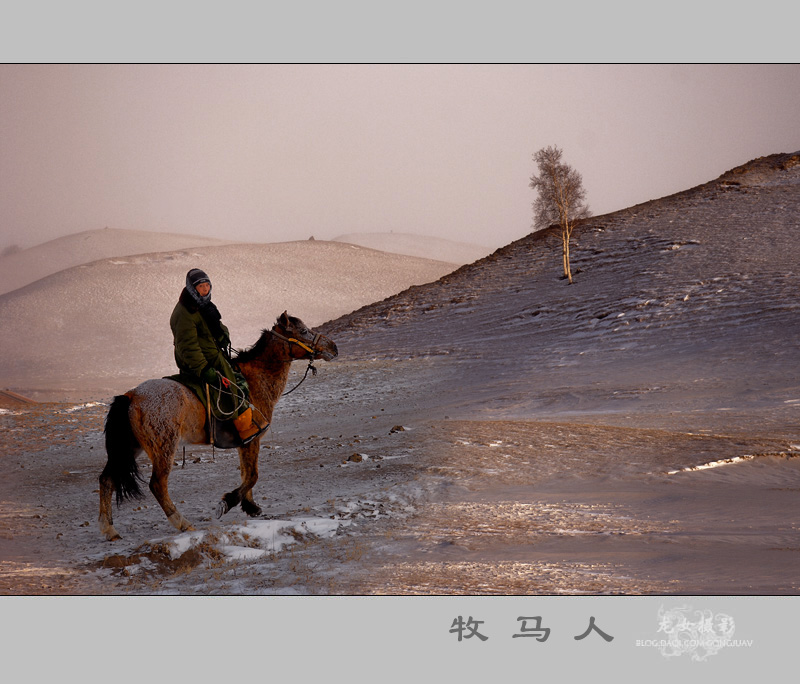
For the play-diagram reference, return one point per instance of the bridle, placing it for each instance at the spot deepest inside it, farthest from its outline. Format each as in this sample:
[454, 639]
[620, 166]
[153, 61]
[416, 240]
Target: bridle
[311, 351]
[293, 340]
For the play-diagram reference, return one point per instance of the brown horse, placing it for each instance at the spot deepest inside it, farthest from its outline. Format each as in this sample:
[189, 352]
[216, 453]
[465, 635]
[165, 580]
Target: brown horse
[159, 414]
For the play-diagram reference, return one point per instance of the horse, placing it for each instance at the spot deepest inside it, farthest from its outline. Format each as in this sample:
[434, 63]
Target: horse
[156, 416]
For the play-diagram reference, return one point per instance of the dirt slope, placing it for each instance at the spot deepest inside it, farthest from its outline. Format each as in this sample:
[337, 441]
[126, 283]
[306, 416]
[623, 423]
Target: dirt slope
[700, 286]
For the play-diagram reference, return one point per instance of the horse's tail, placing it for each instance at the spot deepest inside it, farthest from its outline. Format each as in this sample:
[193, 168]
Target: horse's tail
[121, 446]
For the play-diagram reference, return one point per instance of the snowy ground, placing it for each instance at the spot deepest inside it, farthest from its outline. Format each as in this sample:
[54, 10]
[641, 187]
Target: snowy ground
[495, 432]
[367, 487]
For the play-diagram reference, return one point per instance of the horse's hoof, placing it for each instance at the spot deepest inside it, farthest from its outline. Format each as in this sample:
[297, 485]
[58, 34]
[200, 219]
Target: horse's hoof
[251, 509]
[222, 508]
[110, 533]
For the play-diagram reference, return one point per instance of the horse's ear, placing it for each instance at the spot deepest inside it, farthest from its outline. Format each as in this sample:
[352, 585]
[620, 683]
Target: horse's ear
[284, 319]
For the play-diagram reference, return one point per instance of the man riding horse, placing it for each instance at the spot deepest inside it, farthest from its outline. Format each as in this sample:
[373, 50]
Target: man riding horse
[202, 353]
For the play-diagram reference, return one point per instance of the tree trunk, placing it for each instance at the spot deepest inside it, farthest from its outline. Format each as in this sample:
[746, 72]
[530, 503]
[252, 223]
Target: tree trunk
[565, 254]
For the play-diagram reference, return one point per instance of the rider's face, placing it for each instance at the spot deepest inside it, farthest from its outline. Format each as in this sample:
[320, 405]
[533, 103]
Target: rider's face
[203, 289]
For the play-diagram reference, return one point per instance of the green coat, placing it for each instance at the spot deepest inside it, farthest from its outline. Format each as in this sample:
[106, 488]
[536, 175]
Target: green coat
[197, 349]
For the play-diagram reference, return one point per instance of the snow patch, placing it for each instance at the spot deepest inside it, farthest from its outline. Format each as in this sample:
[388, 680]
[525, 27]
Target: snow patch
[254, 539]
[735, 459]
[713, 464]
[81, 407]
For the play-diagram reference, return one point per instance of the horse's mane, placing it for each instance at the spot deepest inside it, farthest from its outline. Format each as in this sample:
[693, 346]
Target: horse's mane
[251, 353]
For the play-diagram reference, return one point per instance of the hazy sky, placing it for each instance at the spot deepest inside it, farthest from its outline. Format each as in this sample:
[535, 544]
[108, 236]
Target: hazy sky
[273, 153]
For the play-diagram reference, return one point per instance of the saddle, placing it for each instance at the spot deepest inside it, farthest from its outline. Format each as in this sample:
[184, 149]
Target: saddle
[219, 433]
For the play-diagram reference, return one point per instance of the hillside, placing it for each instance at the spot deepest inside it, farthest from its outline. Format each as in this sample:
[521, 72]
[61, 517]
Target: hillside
[692, 293]
[105, 324]
[425, 247]
[29, 265]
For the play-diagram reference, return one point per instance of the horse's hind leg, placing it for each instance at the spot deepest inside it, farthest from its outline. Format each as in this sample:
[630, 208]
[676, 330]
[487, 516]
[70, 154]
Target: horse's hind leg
[121, 474]
[106, 518]
[162, 465]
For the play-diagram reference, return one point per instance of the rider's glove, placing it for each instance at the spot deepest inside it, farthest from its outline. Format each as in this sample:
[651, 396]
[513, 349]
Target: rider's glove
[209, 375]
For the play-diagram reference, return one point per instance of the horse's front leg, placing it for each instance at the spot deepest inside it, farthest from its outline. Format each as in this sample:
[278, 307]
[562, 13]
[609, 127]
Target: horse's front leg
[243, 494]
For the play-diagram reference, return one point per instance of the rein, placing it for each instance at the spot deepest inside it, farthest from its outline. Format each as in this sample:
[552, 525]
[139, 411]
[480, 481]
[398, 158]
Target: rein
[311, 351]
[237, 395]
[311, 368]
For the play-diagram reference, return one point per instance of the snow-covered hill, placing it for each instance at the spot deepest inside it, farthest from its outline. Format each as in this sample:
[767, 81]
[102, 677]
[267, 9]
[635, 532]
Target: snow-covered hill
[106, 324]
[422, 246]
[20, 268]
[29, 265]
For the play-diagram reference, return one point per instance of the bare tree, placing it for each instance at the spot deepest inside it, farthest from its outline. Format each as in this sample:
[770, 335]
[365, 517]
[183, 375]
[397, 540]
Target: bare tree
[561, 198]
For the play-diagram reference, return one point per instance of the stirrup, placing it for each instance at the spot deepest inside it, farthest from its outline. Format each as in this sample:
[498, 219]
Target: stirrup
[255, 435]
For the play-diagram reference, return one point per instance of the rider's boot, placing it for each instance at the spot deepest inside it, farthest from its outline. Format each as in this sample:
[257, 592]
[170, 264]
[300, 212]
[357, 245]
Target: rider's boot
[247, 428]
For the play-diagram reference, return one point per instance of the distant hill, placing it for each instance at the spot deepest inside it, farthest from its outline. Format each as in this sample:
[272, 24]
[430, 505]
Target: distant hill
[695, 294]
[21, 268]
[105, 325]
[423, 246]
[28, 265]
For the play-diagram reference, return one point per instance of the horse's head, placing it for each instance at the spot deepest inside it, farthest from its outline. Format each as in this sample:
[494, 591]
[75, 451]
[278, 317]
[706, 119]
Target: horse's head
[304, 342]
